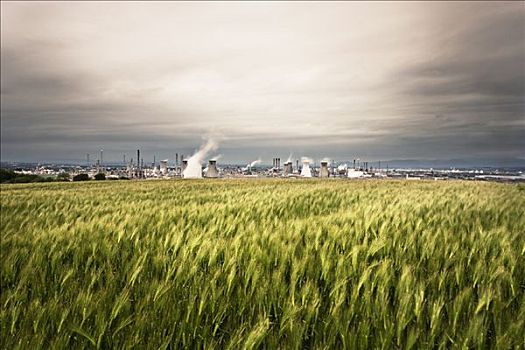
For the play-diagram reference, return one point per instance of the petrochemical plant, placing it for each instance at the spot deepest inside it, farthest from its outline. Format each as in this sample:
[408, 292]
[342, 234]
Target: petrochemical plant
[192, 168]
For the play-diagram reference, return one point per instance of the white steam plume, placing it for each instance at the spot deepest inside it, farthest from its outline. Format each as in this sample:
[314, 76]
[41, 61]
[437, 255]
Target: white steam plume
[194, 168]
[306, 160]
[306, 172]
[254, 163]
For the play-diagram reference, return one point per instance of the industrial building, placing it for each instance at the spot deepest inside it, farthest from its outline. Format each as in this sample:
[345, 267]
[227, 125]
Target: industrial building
[288, 169]
[164, 167]
[212, 171]
[323, 171]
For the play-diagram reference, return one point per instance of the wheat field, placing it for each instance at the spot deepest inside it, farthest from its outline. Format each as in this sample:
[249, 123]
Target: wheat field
[262, 264]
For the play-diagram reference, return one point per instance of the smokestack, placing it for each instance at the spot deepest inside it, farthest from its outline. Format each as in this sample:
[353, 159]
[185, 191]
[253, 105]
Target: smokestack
[130, 168]
[101, 156]
[297, 164]
[323, 172]
[87, 159]
[212, 169]
[137, 172]
[124, 158]
[176, 159]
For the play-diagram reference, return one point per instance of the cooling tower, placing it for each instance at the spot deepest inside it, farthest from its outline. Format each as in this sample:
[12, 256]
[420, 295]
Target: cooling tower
[288, 168]
[305, 172]
[164, 167]
[323, 171]
[212, 169]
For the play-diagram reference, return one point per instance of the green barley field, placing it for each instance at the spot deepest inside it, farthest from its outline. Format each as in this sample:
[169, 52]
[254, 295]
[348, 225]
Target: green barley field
[263, 264]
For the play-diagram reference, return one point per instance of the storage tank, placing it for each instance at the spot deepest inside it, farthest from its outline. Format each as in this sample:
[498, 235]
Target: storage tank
[355, 174]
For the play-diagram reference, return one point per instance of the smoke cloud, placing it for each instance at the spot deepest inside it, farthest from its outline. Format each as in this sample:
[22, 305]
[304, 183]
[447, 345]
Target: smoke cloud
[194, 168]
[254, 163]
[306, 160]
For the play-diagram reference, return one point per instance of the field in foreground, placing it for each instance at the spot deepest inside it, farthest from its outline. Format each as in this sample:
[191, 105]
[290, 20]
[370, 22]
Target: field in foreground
[262, 264]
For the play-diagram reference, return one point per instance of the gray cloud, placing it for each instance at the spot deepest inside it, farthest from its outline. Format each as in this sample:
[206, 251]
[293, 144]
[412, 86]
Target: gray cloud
[382, 80]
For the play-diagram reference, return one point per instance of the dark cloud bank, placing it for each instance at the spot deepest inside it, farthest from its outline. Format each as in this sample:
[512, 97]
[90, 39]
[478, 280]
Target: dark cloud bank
[442, 81]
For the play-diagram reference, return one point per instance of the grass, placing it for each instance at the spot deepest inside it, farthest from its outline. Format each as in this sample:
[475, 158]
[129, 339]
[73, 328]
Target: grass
[262, 264]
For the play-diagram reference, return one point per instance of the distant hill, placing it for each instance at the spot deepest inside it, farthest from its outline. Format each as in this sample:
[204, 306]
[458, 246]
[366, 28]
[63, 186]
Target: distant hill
[455, 163]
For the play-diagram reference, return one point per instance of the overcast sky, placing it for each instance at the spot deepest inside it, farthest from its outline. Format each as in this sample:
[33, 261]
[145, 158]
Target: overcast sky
[340, 80]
